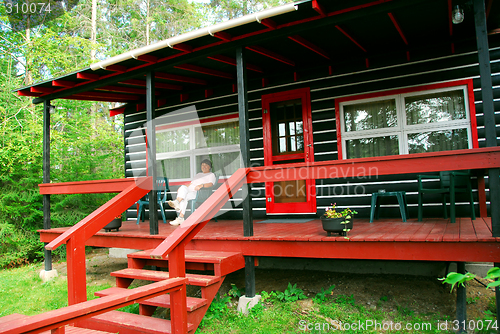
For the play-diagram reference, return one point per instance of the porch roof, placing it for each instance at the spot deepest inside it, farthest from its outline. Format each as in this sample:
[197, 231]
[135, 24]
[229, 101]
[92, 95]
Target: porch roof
[337, 36]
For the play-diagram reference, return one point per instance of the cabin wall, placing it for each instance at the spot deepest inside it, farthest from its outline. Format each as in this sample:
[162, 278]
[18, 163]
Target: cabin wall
[325, 87]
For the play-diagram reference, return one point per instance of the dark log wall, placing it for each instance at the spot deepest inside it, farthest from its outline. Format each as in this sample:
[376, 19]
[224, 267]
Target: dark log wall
[325, 88]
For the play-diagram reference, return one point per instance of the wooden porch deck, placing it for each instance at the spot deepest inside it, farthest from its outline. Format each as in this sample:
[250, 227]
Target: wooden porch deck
[385, 239]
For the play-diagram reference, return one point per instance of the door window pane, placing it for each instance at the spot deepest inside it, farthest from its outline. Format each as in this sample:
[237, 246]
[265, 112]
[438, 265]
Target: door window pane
[287, 127]
[434, 141]
[370, 115]
[435, 107]
[372, 147]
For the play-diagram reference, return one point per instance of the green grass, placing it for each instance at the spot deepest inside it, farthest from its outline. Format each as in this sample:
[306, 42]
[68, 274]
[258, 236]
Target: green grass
[23, 291]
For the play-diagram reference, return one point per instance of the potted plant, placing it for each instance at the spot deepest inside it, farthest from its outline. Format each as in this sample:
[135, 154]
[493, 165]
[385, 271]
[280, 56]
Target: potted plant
[115, 224]
[338, 222]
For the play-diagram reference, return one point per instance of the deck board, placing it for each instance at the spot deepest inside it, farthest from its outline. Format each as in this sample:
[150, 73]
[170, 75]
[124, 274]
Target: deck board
[432, 239]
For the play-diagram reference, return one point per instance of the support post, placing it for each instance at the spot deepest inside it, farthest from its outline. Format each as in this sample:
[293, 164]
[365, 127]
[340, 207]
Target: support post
[497, 296]
[245, 155]
[48, 273]
[488, 109]
[151, 151]
[461, 301]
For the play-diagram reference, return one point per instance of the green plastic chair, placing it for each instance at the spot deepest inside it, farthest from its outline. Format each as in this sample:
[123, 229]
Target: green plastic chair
[450, 183]
[161, 195]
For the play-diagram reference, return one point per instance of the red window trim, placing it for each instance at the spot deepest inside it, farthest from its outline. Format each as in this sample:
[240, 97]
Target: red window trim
[465, 82]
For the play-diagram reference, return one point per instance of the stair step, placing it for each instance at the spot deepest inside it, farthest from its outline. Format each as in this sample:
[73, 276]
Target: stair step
[117, 321]
[150, 275]
[79, 330]
[191, 256]
[159, 301]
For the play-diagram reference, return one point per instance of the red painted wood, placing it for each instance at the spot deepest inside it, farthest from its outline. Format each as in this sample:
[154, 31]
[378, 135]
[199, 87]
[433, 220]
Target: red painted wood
[76, 271]
[148, 58]
[158, 85]
[467, 232]
[103, 215]
[482, 227]
[72, 313]
[270, 54]
[180, 78]
[481, 194]
[269, 23]
[452, 233]
[42, 90]
[342, 30]
[423, 232]
[184, 47]
[479, 158]
[204, 70]
[63, 83]
[437, 232]
[117, 68]
[311, 46]
[116, 111]
[27, 92]
[223, 36]
[108, 96]
[398, 27]
[87, 187]
[319, 8]
[178, 311]
[88, 76]
[384, 227]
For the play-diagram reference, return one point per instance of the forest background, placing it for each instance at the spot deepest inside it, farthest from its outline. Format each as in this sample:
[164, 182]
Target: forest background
[86, 144]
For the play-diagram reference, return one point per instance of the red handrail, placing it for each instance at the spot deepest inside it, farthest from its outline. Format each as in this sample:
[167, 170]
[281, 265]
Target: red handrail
[76, 236]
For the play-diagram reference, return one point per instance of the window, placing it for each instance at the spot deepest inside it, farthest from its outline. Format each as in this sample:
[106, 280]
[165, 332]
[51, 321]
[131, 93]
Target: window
[407, 121]
[180, 150]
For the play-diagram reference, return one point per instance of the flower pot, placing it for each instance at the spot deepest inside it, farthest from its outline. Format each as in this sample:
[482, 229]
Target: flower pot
[115, 224]
[336, 225]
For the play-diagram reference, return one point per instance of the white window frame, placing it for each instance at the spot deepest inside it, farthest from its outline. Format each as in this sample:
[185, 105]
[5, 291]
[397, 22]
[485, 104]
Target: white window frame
[402, 129]
[193, 152]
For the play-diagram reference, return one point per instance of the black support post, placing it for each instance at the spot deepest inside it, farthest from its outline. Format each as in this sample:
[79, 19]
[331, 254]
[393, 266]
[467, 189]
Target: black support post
[488, 109]
[151, 151]
[245, 155]
[46, 177]
[461, 301]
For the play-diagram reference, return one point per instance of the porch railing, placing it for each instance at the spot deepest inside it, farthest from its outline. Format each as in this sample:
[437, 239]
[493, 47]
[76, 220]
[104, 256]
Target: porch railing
[174, 244]
[130, 191]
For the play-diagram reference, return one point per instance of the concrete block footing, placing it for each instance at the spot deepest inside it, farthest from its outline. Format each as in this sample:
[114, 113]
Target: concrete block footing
[48, 275]
[246, 303]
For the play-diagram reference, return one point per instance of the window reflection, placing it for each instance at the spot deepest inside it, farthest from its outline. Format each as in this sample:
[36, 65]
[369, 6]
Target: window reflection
[436, 107]
[437, 141]
[370, 115]
[287, 126]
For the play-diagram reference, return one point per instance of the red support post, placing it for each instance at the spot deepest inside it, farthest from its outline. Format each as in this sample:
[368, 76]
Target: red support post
[77, 277]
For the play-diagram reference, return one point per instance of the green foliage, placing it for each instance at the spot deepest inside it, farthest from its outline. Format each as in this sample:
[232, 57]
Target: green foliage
[218, 307]
[236, 292]
[291, 294]
[454, 278]
[322, 296]
[494, 274]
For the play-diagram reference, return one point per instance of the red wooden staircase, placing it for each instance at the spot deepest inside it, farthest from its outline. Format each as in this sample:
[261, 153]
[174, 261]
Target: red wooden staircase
[218, 264]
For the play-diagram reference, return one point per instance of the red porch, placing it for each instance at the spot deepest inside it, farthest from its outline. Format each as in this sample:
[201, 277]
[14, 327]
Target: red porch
[385, 239]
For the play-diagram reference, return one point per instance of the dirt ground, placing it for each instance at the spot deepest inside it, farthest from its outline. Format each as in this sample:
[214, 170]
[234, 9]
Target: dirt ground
[422, 295]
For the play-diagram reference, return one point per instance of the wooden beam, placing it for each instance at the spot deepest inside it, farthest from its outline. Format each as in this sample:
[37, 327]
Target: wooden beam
[117, 68]
[319, 8]
[223, 36]
[28, 93]
[232, 61]
[116, 111]
[44, 90]
[398, 27]
[109, 96]
[204, 70]
[142, 83]
[63, 83]
[147, 58]
[305, 43]
[183, 47]
[180, 78]
[86, 187]
[88, 76]
[269, 23]
[351, 38]
[270, 54]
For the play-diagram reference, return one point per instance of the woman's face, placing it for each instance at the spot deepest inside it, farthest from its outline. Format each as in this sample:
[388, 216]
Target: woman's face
[205, 168]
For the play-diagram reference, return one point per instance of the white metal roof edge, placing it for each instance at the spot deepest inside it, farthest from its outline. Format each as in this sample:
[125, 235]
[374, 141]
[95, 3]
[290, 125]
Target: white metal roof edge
[170, 42]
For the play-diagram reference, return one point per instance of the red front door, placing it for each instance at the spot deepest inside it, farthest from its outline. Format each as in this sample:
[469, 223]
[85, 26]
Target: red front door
[287, 133]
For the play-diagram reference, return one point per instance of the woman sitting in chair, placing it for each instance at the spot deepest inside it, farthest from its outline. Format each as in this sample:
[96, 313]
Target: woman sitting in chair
[205, 179]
